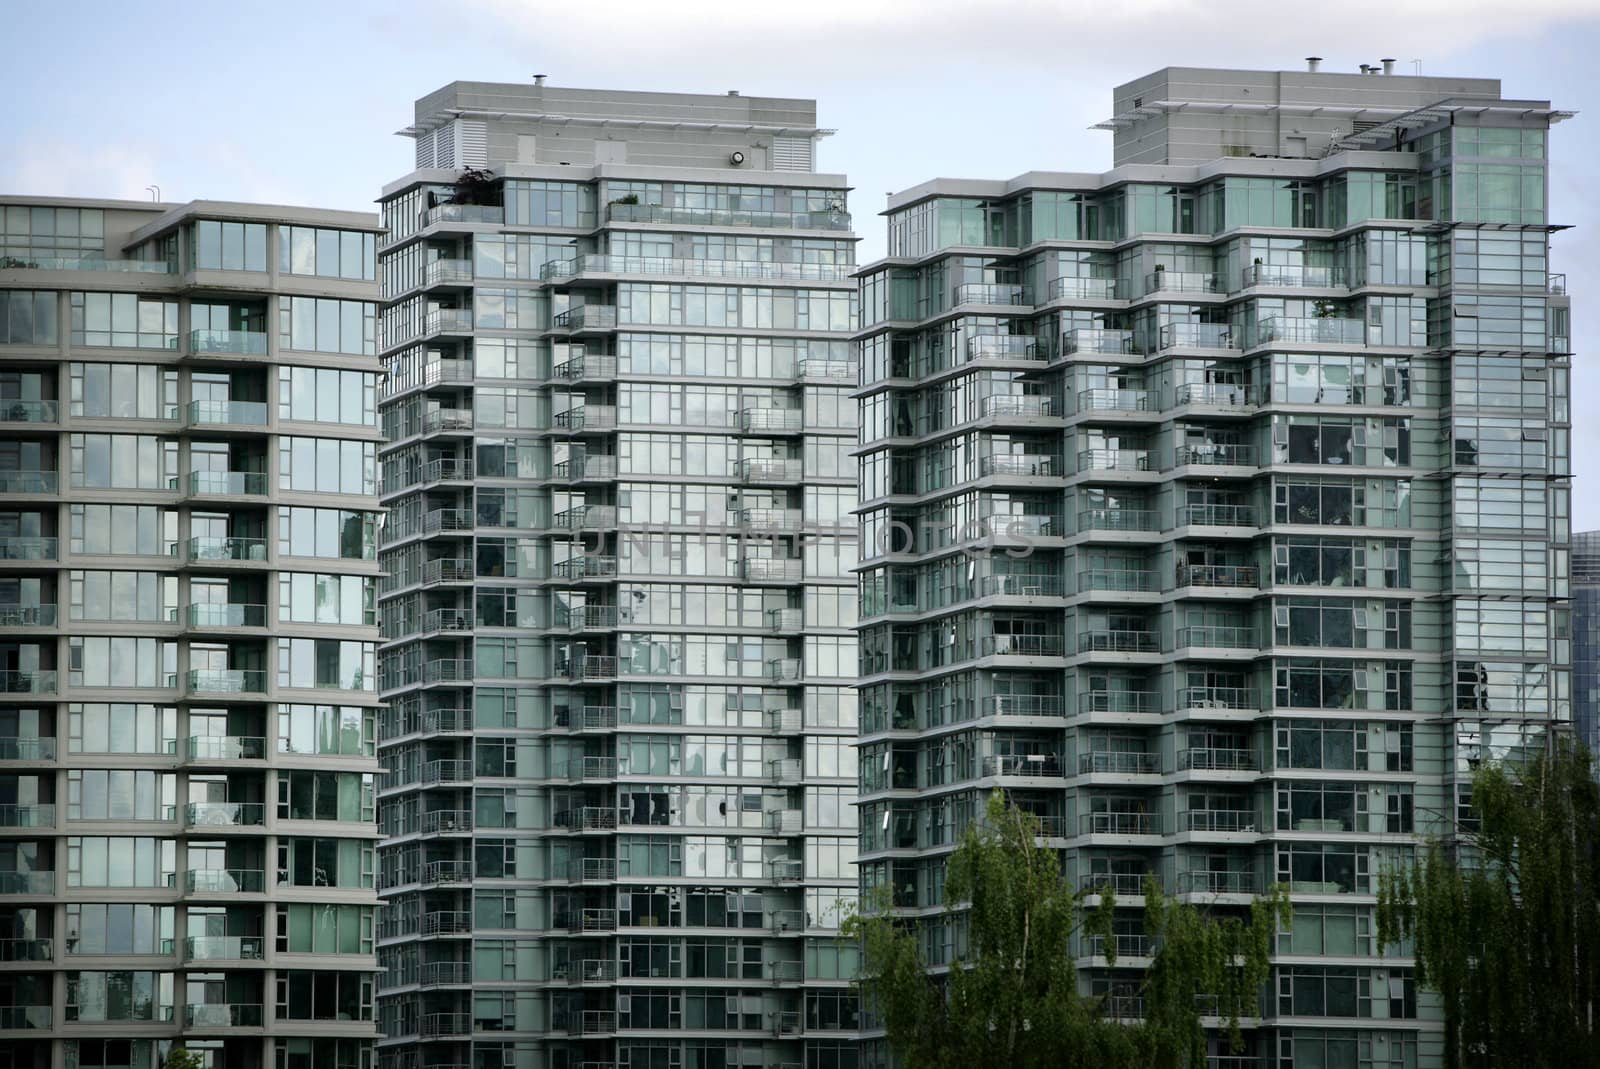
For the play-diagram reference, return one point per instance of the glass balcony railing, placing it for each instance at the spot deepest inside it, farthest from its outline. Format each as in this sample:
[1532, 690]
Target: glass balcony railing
[1218, 820]
[27, 616]
[1045, 765]
[27, 883]
[1119, 519]
[464, 213]
[1122, 580]
[771, 419]
[825, 219]
[1116, 460]
[1198, 336]
[1107, 399]
[1217, 454]
[1294, 276]
[1240, 576]
[1217, 516]
[1217, 759]
[1030, 465]
[671, 265]
[225, 881]
[587, 317]
[84, 263]
[998, 293]
[1181, 282]
[448, 321]
[1020, 585]
[227, 681]
[238, 413]
[447, 273]
[1217, 882]
[1329, 330]
[26, 749]
[1118, 640]
[226, 748]
[821, 369]
[216, 614]
[1004, 347]
[224, 948]
[1052, 705]
[36, 815]
[225, 814]
[228, 483]
[1119, 761]
[769, 470]
[222, 549]
[1022, 646]
[1238, 698]
[24, 548]
[27, 681]
[24, 1018]
[1119, 824]
[229, 342]
[1222, 394]
[1082, 289]
[1119, 701]
[13, 481]
[223, 1015]
[14, 410]
[1098, 340]
[1222, 636]
[1018, 404]
[26, 950]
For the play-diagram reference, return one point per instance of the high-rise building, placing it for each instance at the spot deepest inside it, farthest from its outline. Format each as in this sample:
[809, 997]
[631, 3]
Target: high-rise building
[617, 806]
[1586, 638]
[1215, 508]
[188, 507]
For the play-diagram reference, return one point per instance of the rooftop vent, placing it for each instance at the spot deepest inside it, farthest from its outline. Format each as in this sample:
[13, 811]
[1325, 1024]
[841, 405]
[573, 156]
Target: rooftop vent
[1313, 63]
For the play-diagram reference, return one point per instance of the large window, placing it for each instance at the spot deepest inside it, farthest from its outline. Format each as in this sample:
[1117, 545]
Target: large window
[121, 727]
[325, 729]
[304, 597]
[121, 529]
[327, 465]
[121, 794]
[119, 861]
[99, 661]
[321, 662]
[230, 246]
[27, 232]
[126, 461]
[324, 996]
[305, 250]
[123, 928]
[343, 796]
[327, 395]
[322, 325]
[28, 317]
[325, 862]
[123, 391]
[324, 929]
[332, 533]
[144, 596]
[119, 996]
[124, 321]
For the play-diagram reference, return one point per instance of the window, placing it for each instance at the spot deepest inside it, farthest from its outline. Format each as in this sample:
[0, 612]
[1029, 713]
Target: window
[327, 395]
[144, 530]
[146, 596]
[28, 317]
[130, 461]
[323, 325]
[324, 996]
[119, 861]
[324, 929]
[320, 662]
[121, 794]
[327, 465]
[123, 391]
[124, 321]
[304, 597]
[229, 246]
[325, 729]
[98, 661]
[121, 727]
[124, 928]
[331, 533]
[119, 996]
[28, 232]
[325, 862]
[305, 250]
[343, 796]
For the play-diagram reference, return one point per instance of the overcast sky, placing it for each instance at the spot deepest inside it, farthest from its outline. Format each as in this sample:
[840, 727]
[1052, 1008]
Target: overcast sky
[296, 103]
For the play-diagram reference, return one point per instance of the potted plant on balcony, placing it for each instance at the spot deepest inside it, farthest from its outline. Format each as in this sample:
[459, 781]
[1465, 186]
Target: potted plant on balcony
[474, 185]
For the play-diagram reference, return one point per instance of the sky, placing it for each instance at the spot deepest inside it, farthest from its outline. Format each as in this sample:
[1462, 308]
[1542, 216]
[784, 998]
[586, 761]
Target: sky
[292, 102]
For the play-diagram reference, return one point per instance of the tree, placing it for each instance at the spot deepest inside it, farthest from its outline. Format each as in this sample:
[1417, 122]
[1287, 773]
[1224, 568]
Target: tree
[1013, 1000]
[1505, 918]
[179, 1058]
[474, 185]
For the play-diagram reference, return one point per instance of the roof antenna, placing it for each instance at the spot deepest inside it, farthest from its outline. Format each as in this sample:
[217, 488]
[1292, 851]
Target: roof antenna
[1417, 65]
[155, 193]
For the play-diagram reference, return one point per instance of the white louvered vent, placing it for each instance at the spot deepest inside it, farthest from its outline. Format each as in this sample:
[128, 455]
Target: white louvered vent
[444, 146]
[791, 154]
[425, 150]
[472, 143]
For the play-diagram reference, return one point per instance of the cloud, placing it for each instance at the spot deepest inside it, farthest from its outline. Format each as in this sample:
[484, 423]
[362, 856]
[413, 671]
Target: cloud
[68, 169]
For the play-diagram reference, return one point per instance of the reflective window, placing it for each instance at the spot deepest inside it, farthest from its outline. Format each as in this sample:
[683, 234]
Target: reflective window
[305, 250]
[28, 317]
[124, 321]
[229, 246]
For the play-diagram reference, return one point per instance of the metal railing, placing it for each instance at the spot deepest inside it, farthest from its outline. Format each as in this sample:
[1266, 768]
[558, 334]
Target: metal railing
[1109, 399]
[1181, 282]
[1217, 515]
[1216, 698]
[1294, 275]
[220, 549]
[1119, 519]
[230, 342]
[1123, 762]
[1002, 293]
[1135, 580]
[1219, 454]
[1221, 575]
[1222, 394]
[1018, 404]
[1197, 336]
[1022, 646]
[1052, 705]
[1118, 641]
[587, 317]
[1119, 824]
[225, 748]
[1217, 759]
[1082, 289]
[1116, 460]
[1219, 636]
[1004, 347]
[1041, 765]
[1218, 820]
[1099, 340]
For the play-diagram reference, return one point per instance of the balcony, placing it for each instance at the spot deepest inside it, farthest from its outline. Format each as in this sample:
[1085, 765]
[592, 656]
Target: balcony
[1119, 519]
[447, 470]
[224, 815]
[1226, 637]
[1216, 882]
[587, 418]
[229, 342]
[784, 669]
[1217, 698]
[769, 470]
[828, 219]
[996, 293]
[772, 420]
[447, 321]
[446, 822]
[26, 950]
[27, 883]
[27, 816]
[1004, 347]
[1098, 340]
[1082, 289]
[773, 570]
[1018, 405]
[224, 948]
[787, 870]
[784, 821]
[225, 748]
[1119, 824]
[668, 265]
[593, 666]
[446, 922]
[442, 873]
[1020, 465]
[225, 881]
[26, 749]
[586, 516]
[1114, 400]
[1294, 276]
[447, 570]
[24, 1018]
[1116, 460]
[785, 721]
[84, 263]
[227, 549]
[786, 771]
[1322, 330]
[594, 566]
[1051, 705]
[1218, 395]
[464, 213]
[27, 616]
[591, 768]
[445, 1025]
[16, 481]
[227, 681]
[1220, 821]
[28, 549]
[16, 410]
[226, 413]
[219, 614]
[1126, 944]
[819, 369]
[448, 521]
[1217, 516]
[1197, 336]
[1216, 759]
[587, 818]
[588, 366]
[1022, 646]
[445, 973]
[597, 919]
[1022, 585]
[1118, 641]
[1235, 576]
[593, 870]
[447, 670]
[1119, 702]
[1032, 765]
[589, 467]
[26, 681]
[453, 621]
[1181, 282]
[786, 619]
[1215, 454]
[1121, 580]
[775, 521]
[586, 317]
[447, 420]
[447, 273]
[223, 483]
[1121, 762]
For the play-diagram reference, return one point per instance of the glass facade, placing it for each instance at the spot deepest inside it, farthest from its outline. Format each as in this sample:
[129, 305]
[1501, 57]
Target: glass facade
[618, 815]
[1228, 556]
[187, 701]
[1586, 638]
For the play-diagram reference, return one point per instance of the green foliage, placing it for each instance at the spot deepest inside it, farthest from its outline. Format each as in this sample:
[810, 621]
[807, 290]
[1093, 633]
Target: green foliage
[473, 186]
[1013, 998]
[179, 1058]
[1506, 920]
